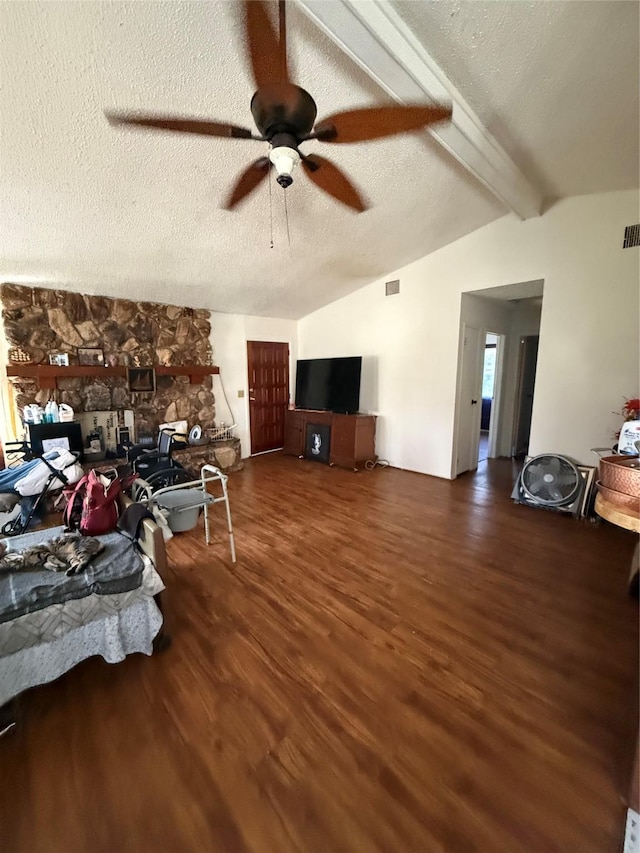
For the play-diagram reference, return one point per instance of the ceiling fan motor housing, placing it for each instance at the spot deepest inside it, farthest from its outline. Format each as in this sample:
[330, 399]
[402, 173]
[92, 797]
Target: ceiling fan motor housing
[283, 108]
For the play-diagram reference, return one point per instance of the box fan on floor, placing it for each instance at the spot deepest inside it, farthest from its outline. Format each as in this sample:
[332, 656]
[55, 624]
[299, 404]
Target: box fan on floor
[553, 482]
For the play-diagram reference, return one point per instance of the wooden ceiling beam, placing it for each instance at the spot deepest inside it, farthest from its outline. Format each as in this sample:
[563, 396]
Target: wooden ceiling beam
[373, 34]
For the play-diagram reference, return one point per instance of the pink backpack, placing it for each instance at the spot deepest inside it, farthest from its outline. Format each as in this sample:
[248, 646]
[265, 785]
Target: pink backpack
[92, 503]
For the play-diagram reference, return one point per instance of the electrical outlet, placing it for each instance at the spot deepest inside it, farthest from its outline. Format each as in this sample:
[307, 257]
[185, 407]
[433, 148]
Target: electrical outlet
[241, 392]
[632, 833]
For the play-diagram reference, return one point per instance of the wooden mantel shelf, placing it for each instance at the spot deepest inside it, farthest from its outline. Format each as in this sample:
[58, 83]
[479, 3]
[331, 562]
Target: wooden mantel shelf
[48, 374]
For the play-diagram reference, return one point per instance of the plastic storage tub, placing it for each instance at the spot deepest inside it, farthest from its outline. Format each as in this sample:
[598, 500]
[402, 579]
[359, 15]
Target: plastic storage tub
[184, 507]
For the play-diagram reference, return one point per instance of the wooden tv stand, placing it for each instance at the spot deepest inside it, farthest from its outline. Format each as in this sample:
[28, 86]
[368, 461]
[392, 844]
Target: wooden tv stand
[353, 437]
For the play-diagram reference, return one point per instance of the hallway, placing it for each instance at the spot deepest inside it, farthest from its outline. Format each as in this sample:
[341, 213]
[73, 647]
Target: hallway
[483, 446]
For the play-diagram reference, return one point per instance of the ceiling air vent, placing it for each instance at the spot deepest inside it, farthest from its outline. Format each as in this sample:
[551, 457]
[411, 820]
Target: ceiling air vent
[392, 287]
[631, 236]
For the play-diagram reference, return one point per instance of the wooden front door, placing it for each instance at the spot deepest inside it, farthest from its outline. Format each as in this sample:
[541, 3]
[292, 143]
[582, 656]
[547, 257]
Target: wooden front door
[268, 393]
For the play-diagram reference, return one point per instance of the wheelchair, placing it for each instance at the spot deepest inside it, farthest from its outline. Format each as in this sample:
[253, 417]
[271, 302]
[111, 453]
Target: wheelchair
[156, 466]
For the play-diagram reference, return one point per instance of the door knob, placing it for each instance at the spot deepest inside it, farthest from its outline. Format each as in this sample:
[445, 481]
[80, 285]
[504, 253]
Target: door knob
[252, 399]
[474, 402]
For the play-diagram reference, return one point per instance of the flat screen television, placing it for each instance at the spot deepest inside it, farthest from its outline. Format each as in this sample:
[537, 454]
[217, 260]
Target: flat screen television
[332, 384]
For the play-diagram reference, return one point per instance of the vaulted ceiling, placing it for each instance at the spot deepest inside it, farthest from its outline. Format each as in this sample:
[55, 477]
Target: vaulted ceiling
[137, 214]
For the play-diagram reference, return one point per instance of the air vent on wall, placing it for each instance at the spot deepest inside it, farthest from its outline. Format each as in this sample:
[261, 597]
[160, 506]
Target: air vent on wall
[392, 287]
[631, 236]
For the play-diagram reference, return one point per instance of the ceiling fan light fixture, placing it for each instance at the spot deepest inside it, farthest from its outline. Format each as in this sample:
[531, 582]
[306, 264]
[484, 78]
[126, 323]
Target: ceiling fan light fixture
[285, 160]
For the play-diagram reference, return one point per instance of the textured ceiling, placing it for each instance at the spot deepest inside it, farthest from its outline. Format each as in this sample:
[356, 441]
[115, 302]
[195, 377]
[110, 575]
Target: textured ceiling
[555, 82]
[125, 213]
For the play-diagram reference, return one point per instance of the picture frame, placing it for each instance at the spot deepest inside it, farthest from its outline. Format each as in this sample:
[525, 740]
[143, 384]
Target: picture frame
[59, 359]
[141, 379]
[90, 356]
[588, 496]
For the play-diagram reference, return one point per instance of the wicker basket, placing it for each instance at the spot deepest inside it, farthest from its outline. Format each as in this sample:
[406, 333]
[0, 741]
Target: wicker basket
[220, 433]
[621, 474]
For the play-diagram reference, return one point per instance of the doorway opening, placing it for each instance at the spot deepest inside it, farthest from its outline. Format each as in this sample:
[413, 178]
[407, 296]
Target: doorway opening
[488, 410]
[495, 395]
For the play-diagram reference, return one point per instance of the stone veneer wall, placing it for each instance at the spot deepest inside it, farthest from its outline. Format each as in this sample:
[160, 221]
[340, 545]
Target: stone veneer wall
[40, 321]
[223, 454]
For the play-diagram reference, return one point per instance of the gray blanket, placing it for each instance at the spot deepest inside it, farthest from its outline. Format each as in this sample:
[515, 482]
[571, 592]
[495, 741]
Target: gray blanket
[117, 569]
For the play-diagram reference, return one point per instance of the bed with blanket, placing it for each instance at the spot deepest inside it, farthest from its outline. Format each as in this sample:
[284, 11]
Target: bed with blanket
[50, 620]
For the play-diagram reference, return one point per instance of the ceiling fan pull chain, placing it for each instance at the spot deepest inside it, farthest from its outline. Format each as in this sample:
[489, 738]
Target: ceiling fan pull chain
[270, 209]
[286, 216]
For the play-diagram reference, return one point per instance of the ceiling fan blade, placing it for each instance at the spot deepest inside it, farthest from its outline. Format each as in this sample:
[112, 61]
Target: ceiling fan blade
[377, 122]
[267, 52]
[282, 17]
[248, 181]
[329, 178]
[182, 125]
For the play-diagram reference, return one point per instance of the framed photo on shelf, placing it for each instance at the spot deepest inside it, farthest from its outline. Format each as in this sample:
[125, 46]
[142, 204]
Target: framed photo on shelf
[59, 359]
[90, 356]
[141, 379]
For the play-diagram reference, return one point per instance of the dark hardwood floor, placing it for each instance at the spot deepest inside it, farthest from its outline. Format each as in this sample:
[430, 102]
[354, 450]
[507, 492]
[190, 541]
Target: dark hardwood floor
[396, 663]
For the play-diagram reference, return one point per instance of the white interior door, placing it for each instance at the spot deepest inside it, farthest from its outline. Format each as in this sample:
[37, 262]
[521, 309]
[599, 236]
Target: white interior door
[470, 398]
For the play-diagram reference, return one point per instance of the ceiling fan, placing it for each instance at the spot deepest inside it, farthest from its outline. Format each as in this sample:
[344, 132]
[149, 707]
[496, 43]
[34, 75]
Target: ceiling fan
[285, 116]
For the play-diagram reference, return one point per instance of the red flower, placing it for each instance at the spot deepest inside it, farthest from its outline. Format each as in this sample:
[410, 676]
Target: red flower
[631, 409]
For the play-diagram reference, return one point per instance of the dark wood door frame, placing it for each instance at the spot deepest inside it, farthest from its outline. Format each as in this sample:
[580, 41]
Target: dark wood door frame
[268, 365]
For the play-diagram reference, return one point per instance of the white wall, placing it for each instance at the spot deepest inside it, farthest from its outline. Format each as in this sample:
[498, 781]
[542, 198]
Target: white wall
[589, 336]
[229, 336]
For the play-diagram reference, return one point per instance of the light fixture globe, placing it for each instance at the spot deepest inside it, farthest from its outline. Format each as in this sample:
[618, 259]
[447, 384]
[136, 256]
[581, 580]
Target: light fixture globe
[285, 160]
